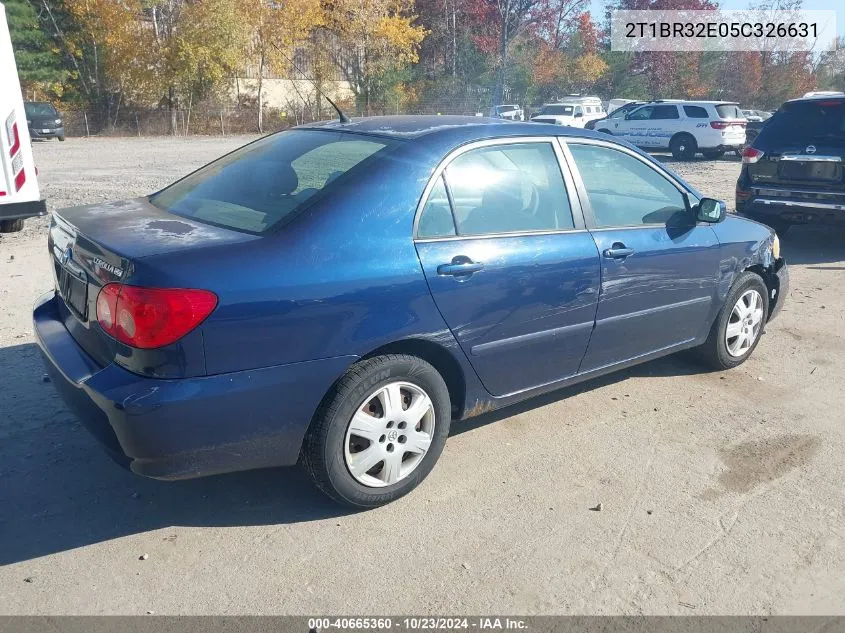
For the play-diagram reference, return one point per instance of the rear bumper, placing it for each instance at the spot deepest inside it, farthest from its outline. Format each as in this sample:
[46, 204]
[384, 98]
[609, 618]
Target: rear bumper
[793, 210]
[17, 210]
[191, 427]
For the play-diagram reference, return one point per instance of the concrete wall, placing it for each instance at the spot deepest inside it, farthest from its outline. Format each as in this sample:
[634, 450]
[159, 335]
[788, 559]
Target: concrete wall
[285, 93]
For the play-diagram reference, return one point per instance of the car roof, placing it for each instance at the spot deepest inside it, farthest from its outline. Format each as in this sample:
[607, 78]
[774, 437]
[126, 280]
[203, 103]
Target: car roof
[819, 97]
[448, 128]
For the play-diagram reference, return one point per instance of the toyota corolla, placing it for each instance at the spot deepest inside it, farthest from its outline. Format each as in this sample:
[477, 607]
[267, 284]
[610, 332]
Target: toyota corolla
[339, 294]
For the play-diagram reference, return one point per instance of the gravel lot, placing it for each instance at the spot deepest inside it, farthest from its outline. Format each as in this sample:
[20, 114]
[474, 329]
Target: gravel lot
[722, 493]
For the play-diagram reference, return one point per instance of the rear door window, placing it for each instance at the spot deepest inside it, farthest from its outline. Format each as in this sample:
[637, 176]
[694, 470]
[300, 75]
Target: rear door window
[696, 112]
[515, 187]
[266, 182]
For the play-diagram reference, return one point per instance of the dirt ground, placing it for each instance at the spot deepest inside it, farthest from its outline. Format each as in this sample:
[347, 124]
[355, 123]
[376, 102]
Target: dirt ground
[722, 493]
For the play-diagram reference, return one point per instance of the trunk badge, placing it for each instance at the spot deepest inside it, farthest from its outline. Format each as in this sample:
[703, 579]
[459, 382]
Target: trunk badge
[811, 149]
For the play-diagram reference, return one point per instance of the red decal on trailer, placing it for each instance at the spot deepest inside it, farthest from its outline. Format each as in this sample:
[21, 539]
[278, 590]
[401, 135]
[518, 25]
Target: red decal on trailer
[16, 143]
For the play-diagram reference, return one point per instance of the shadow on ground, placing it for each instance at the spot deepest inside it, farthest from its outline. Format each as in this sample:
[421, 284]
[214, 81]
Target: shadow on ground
[59, 490]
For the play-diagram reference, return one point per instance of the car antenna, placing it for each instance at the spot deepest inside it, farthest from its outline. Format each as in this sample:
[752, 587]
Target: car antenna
[340, 114]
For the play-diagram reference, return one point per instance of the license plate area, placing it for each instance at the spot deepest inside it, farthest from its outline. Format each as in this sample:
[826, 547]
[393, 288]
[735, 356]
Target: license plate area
[812, 171]
[73, 288]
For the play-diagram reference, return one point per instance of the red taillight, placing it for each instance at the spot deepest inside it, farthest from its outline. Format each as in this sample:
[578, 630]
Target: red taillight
[147, 318]
[719, 125]
[751, 155]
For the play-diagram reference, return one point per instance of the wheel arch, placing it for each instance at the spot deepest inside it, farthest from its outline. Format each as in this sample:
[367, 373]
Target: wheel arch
[677, 135]
[438, 357]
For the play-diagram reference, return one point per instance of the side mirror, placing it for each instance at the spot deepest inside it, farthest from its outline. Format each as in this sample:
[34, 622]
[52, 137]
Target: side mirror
[710, 210]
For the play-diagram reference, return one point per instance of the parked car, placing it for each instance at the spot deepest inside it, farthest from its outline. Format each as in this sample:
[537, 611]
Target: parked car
[20, 197]
[509, 112]
[752, 131]
[340, 293]
[44, 121]
[617, 113]
[794, 171]
[685, 128]
[572, 111]
[752, 116]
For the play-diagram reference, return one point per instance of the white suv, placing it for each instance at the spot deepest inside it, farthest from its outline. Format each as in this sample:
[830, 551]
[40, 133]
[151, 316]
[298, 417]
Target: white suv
[683, 127]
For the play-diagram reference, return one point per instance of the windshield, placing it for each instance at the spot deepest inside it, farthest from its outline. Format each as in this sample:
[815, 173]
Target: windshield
[557, 109]
[264, 183]
[802, 123]
[620, 112]
[39, 109]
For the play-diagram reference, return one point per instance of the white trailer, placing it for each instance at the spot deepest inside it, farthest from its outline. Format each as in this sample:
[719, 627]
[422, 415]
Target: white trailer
[19, 194]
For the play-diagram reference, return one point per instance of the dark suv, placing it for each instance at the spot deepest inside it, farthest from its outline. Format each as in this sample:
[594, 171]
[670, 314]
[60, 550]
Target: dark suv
[794, 171]
[43, 120]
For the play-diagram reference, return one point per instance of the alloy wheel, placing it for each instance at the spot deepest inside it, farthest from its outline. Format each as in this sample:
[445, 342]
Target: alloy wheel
[744, 324]
[389, 435]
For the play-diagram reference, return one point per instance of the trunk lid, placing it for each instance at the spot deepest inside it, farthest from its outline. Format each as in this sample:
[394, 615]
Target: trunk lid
[93, 245]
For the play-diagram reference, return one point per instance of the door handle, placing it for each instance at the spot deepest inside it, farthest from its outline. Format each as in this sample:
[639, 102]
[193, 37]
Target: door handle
[618, 251]
[460, 267]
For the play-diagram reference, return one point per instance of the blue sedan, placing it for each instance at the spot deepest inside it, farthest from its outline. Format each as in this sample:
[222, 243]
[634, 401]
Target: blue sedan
[339, 293]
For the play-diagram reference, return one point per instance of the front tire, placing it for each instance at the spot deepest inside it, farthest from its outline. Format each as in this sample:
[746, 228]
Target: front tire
[380, 431]
[739, 325]
[683, 147]
[61, 139]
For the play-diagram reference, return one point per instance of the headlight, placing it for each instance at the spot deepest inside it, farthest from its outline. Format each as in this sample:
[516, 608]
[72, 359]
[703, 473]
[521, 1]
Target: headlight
[58, 121]
[776, 247]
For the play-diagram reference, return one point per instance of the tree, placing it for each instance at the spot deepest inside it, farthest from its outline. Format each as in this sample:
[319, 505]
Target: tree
[39, 63]
[506, 20]
[381, 36]
[274, 31]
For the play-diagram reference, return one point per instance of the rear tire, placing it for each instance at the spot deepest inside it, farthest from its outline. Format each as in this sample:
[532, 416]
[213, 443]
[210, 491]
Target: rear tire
[713, 154]
[365, 447]
[11, 226]
[61, 139]
[726, 349]
[683, 147]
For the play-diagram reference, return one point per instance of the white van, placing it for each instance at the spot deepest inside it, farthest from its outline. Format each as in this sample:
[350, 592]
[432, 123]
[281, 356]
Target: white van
[573, 111]
[19, 195]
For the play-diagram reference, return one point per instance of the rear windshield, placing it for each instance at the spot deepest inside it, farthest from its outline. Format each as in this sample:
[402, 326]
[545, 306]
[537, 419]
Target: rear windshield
[39, 109]
[556, 109]
[729, 111]
[266, 182]
[803, 123]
